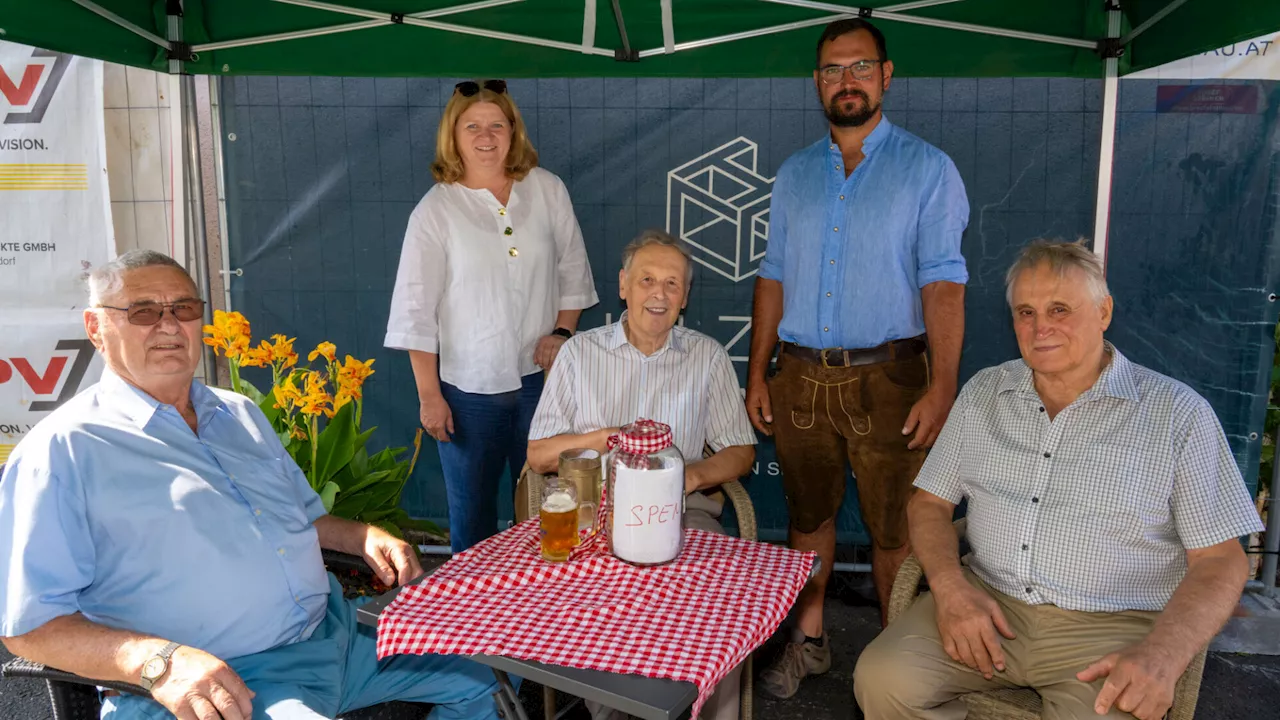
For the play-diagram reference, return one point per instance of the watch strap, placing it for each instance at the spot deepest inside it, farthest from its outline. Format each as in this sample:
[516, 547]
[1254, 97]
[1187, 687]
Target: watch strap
[562, 332]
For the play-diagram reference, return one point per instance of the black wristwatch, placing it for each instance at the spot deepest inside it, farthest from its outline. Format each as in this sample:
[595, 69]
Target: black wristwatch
[563, 332]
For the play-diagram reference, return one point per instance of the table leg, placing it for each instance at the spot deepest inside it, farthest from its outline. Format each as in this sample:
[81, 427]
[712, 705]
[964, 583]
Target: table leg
[507, 699]
[548, 703]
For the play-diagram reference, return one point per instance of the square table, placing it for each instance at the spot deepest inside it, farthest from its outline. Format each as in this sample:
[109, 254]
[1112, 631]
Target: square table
[643, 697]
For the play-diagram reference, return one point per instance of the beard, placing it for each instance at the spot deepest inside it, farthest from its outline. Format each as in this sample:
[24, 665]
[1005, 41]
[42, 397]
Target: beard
[840, 117]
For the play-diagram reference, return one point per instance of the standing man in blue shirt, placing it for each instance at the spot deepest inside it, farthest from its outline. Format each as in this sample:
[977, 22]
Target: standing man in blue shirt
[160, 534]
[863, 283]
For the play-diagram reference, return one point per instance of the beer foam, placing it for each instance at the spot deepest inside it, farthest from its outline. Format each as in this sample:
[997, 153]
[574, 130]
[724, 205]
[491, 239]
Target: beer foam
[559, 502]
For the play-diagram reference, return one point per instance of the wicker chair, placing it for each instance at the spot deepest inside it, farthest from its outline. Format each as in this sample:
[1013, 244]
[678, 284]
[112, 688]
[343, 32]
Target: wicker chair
[1024, 703]
[529, 499]
[73, 697]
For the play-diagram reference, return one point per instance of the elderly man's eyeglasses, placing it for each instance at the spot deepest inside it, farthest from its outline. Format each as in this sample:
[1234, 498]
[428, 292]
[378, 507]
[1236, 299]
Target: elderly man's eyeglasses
[861, 70]
[149, 313]
[467, 88]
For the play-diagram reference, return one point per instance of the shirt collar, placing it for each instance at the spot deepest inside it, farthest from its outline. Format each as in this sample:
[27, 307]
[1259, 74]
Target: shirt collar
[1117, 379]
[873, 140]
[619, 338]
[140, 407]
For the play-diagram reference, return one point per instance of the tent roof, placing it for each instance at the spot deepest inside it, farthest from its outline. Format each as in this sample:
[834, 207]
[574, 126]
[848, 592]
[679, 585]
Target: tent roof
[411, 50]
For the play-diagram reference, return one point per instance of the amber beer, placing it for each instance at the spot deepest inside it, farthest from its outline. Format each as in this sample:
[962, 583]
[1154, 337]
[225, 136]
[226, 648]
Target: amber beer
[559, 518]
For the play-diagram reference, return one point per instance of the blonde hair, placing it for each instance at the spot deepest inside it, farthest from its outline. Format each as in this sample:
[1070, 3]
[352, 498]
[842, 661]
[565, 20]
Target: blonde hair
[448, 167]
[1060, 257]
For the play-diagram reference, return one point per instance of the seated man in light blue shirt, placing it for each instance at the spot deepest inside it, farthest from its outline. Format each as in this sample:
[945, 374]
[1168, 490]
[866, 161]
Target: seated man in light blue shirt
[161, 535]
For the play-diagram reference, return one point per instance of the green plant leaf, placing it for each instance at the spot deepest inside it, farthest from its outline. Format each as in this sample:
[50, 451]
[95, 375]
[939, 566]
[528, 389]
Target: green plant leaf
[359, 465]
[412, 523]
[328, 493]
[248, 390]
[336, 444]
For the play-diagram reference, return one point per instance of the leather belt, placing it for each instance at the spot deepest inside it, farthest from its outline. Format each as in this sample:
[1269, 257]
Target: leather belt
[839, 357]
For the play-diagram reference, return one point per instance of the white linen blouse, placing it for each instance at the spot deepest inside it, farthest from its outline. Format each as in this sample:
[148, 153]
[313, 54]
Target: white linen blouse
[479, 283]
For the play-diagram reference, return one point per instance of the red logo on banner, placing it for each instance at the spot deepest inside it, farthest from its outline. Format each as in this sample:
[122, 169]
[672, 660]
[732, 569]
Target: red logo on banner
[25, 105]
[44, 382]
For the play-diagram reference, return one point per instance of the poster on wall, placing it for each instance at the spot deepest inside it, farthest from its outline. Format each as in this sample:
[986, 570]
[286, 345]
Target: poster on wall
[57, 226]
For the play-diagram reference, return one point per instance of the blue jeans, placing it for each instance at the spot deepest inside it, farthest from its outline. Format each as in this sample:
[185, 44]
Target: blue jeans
[491, 432]
[337, 670]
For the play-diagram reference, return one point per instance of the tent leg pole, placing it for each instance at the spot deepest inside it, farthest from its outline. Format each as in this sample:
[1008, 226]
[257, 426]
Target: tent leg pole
[1106, 155]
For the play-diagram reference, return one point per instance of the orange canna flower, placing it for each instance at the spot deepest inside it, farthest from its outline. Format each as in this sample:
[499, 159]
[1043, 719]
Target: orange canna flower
[299, 433]
[257, 357]
[282, 351]
[228, 333]
[344, 396]
[354, 371]
[287, 394]
[315, 399]
[327, 350]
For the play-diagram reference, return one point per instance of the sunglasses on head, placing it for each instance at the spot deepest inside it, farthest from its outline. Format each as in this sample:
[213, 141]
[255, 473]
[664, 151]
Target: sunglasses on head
[467, 88]
[149, 313]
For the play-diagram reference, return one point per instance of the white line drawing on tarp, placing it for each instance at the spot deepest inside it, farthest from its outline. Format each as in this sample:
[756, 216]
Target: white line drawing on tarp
[719, 204]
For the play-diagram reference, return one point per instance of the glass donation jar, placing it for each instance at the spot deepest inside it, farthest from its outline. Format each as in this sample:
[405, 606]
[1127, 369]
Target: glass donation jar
[644, 513]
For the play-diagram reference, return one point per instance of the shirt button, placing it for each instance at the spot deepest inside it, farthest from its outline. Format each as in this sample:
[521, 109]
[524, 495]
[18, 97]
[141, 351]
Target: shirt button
[502, 211]
[841, 197]
[508, 231]
[833, 262]
[1035, 500]
[1042, 408]
[297, 598]
[826, 329]
[1028, 590]
[257, 511]
[1024, 547]
[280, 551]
[828, 294]
[1047, 455]
[835, 229]
[513, 252]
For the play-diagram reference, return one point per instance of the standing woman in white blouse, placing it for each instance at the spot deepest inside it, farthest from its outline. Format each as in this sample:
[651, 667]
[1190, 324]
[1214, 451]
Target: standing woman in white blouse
[493, 276]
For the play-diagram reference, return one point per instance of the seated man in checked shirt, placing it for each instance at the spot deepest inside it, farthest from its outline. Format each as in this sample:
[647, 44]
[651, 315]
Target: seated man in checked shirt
[644, 366]
[1104, 512]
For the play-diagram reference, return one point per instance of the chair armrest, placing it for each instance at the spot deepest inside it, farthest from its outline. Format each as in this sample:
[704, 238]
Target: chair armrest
[742, 506]
[1187, 692]
[905, 587]
[23, 668]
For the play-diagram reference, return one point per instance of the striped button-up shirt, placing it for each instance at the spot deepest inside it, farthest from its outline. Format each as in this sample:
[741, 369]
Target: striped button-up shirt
[1093, 510]
[600, 380]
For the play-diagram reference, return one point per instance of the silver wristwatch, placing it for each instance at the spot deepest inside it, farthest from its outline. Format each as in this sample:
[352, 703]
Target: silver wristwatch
[155, 668]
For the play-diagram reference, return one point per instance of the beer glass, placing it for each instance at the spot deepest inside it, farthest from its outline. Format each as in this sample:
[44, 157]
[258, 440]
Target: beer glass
[581, 466]
[559, 519]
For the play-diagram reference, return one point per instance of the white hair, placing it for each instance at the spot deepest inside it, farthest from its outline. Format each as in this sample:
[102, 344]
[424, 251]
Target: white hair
[107, 280]
[1060, 257]
[659, 237]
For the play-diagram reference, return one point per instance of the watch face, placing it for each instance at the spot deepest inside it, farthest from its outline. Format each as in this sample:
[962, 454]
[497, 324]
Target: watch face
[153, 668]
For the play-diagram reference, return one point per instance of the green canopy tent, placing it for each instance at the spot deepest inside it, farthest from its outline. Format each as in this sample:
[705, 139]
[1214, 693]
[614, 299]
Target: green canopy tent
[631, 38]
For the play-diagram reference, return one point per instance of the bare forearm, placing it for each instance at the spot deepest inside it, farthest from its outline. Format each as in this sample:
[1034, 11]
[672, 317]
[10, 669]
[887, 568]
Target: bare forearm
[568, 319]
[75, 645]
[933, 538]
[426, 373]
[943, 304]
[1201, 605]
[729, 464]
[544, 454]
[341, 534]
[766, 314]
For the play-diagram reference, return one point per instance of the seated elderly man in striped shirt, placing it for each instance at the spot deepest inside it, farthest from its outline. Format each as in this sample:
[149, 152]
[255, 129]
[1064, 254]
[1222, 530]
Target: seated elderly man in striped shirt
[645, 366]
[1104, 512]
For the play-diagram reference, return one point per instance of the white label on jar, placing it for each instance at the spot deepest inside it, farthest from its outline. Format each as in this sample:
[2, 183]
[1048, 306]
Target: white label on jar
[647, 511]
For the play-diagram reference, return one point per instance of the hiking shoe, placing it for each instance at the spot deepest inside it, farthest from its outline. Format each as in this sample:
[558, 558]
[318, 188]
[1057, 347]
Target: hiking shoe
[798, 660]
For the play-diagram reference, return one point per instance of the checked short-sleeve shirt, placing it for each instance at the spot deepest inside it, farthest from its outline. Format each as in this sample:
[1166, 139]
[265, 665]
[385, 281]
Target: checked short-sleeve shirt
[1095, 509]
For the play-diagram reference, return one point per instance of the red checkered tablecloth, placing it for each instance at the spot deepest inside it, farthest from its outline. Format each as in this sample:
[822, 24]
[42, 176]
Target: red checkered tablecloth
[692, 620]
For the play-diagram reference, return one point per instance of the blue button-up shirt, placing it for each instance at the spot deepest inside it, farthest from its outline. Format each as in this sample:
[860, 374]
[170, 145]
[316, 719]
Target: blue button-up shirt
[114, 508]
[852, 253]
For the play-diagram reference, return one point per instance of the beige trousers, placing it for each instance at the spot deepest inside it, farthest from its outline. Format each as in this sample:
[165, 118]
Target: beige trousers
[724, 702]
[905, 673]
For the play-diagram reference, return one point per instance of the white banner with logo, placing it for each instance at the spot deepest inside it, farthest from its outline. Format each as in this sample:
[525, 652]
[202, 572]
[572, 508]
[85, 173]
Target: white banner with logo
[1256, 59]
[56, 226]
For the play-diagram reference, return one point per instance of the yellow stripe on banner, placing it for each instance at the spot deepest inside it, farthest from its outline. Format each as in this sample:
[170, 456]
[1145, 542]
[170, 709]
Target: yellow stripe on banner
[4, 452]
[44, 176]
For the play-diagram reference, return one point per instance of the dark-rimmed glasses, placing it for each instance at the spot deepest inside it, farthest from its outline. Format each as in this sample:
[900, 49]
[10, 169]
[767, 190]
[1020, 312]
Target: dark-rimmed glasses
[861, 70]
[149, 313]
[467, 88]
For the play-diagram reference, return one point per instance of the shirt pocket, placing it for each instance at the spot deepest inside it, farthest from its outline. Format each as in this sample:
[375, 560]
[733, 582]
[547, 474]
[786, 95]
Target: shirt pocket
[1122, 482]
